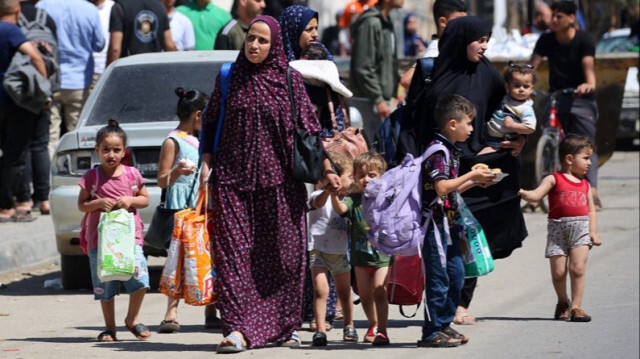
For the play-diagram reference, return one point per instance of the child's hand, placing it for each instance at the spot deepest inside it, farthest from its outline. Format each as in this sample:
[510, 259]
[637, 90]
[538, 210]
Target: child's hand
[483, 177]
[526, 195]
[595, 239]
[106, 204]
[334, 183]
[124, 202]
[508, 122]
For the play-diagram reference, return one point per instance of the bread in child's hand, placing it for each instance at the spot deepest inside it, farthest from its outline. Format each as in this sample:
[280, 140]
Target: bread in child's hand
[480, 166]
[495, 170]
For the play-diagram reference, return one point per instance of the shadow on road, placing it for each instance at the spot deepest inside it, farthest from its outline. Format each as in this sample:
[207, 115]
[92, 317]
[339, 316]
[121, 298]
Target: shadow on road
[33, 284]
[513, 319]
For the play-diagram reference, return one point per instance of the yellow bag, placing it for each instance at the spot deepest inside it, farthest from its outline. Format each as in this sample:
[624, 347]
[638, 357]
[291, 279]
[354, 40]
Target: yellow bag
[171, 279]
[198, 272]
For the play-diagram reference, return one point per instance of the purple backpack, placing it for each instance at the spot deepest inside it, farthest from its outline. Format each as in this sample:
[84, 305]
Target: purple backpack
[392, 206]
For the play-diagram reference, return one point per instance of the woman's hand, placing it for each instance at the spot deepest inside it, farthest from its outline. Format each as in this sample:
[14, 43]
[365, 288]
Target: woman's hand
[515, 145]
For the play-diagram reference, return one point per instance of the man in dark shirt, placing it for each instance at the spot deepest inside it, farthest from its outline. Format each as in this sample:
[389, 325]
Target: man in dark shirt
[137, 27]
[571, 56]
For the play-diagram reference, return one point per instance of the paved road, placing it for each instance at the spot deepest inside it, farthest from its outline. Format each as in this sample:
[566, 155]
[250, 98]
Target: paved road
[514, 305]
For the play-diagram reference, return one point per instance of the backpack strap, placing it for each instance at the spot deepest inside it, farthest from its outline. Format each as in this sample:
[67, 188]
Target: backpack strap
[133, 181]
[41, 17]
[225, 78]
[429, 220]
[22, 20]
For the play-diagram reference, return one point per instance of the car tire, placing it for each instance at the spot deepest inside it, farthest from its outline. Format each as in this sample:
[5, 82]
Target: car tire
[75, 272]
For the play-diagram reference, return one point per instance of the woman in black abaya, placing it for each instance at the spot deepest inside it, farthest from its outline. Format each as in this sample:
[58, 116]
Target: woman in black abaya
[461, 68]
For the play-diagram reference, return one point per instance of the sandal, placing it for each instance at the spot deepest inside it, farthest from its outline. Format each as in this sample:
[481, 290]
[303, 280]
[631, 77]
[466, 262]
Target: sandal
[23, 215]
[107, 336]
[464, 318]
[456, 335]
[350, 334]
[578, 315]
[371, 334]
[139, 330]
[439, 340]
[562, 311]
[169, 326]
[294, 341]
[236, 347]
[339, 315]
[597, 203]
[381, 340]
[529, 208]
[319, 340]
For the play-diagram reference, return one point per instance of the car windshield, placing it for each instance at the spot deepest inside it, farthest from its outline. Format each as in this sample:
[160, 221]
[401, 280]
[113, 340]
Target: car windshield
[144, 93]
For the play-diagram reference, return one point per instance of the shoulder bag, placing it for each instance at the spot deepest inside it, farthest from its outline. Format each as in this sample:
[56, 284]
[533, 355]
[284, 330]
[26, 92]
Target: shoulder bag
[308, 153]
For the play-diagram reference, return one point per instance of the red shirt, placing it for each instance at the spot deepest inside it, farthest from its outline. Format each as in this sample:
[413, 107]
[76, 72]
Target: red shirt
[568, 198]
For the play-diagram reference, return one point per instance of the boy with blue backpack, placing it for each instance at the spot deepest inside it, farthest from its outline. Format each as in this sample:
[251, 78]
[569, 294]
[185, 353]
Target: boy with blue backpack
[444, 275]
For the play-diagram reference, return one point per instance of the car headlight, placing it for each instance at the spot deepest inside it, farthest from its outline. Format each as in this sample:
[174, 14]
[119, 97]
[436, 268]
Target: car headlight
[74, 163]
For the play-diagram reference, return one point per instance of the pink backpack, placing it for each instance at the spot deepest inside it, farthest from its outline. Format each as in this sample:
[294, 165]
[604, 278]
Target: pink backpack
[94, 189]
[392, 206]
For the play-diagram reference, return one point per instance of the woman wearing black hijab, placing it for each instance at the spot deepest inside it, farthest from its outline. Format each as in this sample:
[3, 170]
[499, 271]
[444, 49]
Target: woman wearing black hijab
[461, 68]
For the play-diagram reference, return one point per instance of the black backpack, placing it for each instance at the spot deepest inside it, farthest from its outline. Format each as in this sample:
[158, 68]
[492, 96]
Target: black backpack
[38, 32]
[397, 135]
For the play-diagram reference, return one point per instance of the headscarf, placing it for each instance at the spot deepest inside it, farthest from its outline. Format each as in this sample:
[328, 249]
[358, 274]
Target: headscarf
[256, 145]
[294, 20]
[478, 82]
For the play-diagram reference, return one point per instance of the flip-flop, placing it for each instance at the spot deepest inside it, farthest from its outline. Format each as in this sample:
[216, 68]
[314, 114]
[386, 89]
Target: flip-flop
[237, 346]
[294, 341]
[138, 330]
[24, 215]
[169, 326]
[107, 336]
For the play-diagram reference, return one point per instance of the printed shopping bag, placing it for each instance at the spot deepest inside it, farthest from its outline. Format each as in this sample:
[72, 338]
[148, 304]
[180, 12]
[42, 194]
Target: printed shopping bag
[477, 259]
[116, 242]
[198, 272]
[171, 279]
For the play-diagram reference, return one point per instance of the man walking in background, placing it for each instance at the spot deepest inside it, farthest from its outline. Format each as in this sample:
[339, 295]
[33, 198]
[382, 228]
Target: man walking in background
[79, 35]
[232, 35]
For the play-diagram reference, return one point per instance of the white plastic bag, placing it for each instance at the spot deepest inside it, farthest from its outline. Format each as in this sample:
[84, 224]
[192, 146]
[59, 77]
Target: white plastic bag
[116, 245]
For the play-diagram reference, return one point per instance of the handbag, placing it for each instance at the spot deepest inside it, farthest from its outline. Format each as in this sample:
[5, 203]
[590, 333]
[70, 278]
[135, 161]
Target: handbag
[161, 227]
[308, 153]
[350, 141]
[477, 258]
[162, 223]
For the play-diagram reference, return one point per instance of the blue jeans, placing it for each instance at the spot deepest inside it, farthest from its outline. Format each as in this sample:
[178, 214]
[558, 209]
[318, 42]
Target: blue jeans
[443, 284]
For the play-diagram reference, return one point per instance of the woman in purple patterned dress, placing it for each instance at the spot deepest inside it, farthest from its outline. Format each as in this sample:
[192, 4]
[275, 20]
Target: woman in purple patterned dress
[259, 208]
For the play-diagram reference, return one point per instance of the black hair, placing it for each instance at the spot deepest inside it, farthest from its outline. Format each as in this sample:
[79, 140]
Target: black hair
[572, 144]
[189, 101]
[444, 8]
[313, 52]
[520, 68]
[452, 107]
[565, 6]
[112, 128]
